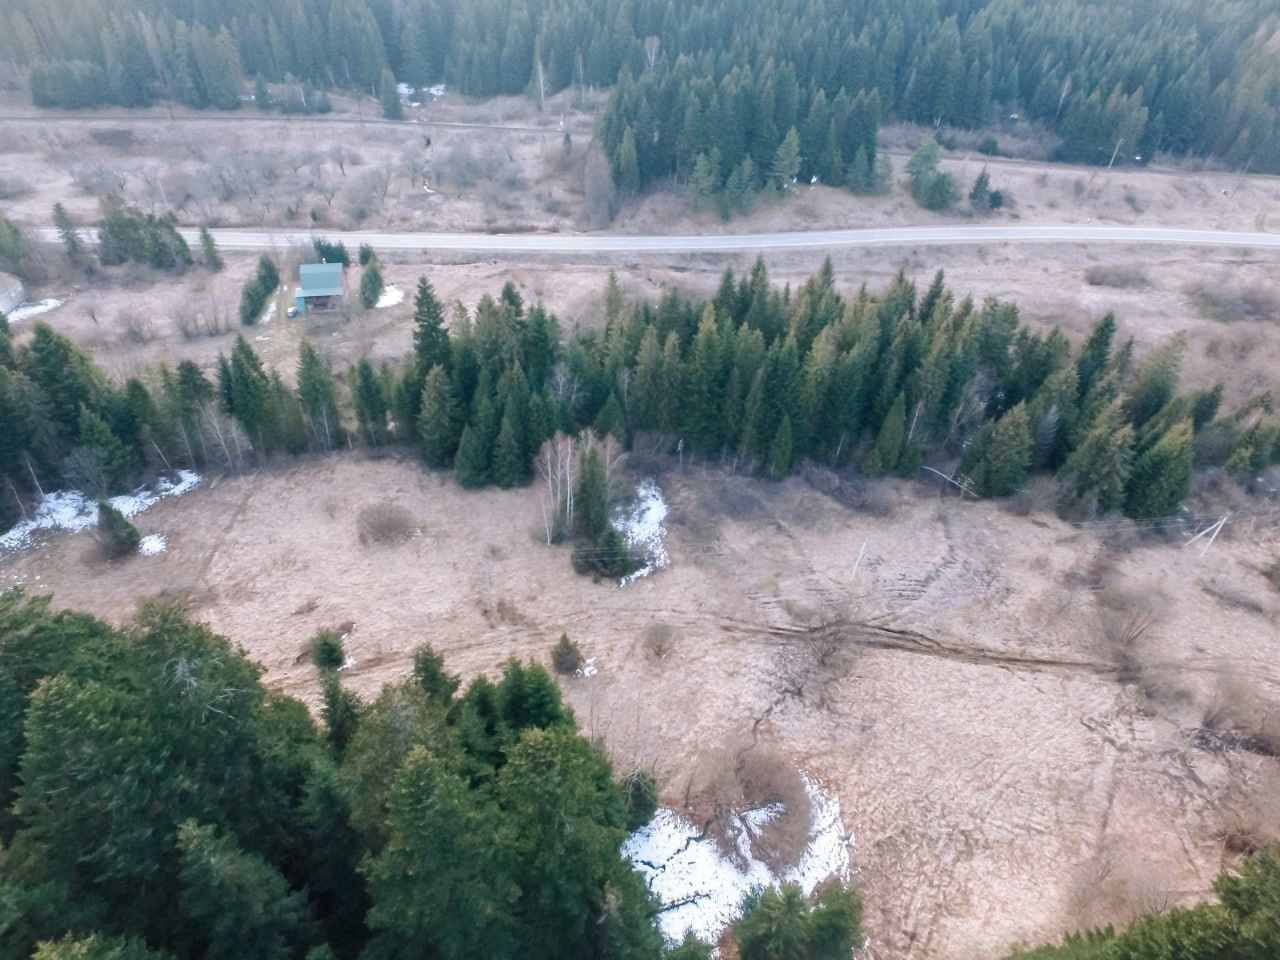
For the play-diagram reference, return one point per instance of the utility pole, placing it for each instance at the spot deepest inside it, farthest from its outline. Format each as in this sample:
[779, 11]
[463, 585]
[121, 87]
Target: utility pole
[1115, 153]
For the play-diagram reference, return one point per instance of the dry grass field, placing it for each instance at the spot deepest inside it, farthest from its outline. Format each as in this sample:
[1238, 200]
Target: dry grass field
[1027, 725]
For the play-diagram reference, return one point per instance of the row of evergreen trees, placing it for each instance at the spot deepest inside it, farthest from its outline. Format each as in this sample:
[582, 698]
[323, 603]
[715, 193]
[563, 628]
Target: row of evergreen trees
[756, 377]
[1119, 80]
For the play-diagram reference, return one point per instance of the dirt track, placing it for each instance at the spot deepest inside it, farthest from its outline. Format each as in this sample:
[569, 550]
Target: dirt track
[955, 694]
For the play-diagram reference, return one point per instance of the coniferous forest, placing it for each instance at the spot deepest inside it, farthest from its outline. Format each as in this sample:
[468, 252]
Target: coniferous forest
[1112, 81]
[757, 378]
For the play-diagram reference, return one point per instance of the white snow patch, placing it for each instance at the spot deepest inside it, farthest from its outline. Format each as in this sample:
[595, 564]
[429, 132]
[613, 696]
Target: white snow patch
[588, 668]
[25, 311]
[73, 510]
[152, 545]
[271, 311]
[641, 526]
[404, 90]
[678, 866]
[350, 662]
[437, 91]
[390, 297]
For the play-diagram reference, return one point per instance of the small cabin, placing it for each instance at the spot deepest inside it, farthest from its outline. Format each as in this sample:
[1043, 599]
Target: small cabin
[12, 294]
[321, 286]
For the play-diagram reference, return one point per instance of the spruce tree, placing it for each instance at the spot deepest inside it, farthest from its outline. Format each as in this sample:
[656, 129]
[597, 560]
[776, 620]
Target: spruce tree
[212, 259]
[370, 402]
[430, 339]
[318, 397]
[611, 421]
[1102, 462]
[999, 460]
[116, 535]
[472, 460]
[626, 165]
[240, 905]
[438, 426]
[371, 285]
[389, 96]
[786, 162]
[510, 469]
[887, 452]
[69, 235]
[113, 459]
[1161, 477]
[591, 499]
[980, 195]
[781, 450]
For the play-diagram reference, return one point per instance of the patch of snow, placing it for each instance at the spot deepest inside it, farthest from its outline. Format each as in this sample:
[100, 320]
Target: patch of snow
[391, 296]
[260, 337]
[404, 90]
[152, 545]
[437, 91]
[73, 510]
[271, 311]
[679, 867]
[588, 668]
[641, 526]
[25, 311]
[350, 662]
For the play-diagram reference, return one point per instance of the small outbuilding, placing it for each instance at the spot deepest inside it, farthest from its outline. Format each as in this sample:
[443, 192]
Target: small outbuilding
[321, 286]
[12, 293]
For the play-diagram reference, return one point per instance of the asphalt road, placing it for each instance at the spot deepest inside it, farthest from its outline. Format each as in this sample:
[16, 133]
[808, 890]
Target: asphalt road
[590, 243]
[587, 243]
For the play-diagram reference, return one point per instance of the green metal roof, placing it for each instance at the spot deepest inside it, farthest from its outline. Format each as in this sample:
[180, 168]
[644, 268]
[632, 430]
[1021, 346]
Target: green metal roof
[320, 280]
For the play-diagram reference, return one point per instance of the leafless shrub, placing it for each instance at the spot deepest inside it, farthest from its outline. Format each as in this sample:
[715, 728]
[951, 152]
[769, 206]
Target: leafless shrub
[1120, 276]
[1116, 886]
[1272, 574]
[1041, 494]
[1251, 812]
[137, 328]
[385, 524]
[14, 188]
[752, 776]
[117, 138]
[1241, 718]
[1235, 303]
[659, 640]
[600, 197]
[457, 165]
[1126, 616]
[855, 491]
[213, 320]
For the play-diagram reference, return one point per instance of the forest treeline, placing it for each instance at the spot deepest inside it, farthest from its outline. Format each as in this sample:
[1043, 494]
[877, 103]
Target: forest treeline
[1112, 80]
[757, 378]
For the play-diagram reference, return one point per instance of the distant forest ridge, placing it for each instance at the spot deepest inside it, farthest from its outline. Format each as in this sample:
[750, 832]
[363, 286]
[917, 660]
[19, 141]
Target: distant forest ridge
[1118, 80]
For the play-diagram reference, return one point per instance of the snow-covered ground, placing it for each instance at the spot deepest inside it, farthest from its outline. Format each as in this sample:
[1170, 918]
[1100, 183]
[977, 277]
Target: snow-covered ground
[391, 296]
[73, 510]
[588, 668]
[641, 525]
[27, 311]
[679, 867]
[153, 545]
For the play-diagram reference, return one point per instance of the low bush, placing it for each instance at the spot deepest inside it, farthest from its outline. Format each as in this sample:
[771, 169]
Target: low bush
[386, 524]
[566, 655]
[326, 650]
[116, 535]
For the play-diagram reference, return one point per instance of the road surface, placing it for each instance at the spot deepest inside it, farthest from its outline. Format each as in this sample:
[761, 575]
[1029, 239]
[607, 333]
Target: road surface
[723, 243]
[597, 243]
